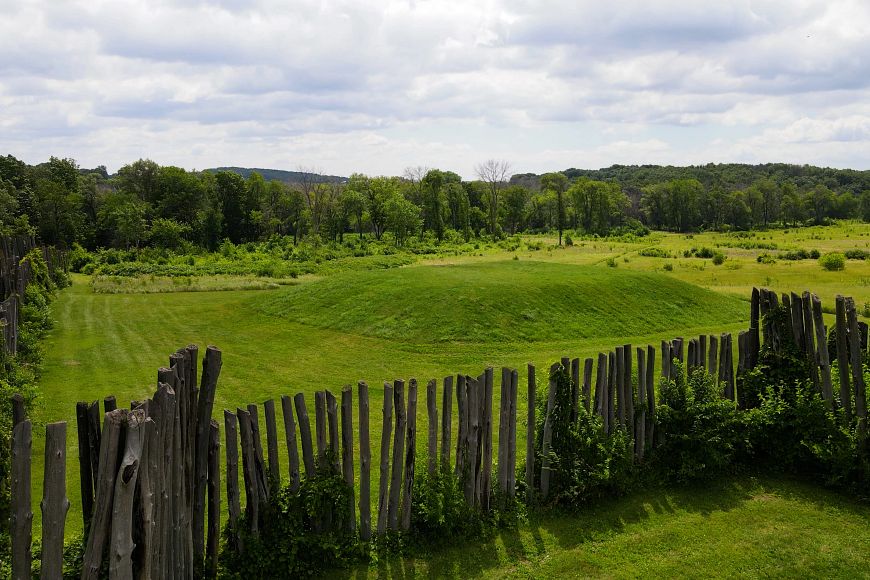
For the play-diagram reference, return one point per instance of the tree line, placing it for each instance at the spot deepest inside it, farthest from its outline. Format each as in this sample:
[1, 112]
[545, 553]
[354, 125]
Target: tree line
[148, 204]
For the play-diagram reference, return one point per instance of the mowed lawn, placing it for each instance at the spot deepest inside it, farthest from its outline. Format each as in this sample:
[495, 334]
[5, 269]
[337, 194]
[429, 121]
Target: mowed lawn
[113, 343]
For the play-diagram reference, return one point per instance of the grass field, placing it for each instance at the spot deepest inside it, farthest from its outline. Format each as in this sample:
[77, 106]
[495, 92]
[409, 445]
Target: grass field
[429, 319]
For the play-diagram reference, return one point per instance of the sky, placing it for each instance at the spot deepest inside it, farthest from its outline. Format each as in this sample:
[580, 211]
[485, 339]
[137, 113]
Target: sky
[376, 87]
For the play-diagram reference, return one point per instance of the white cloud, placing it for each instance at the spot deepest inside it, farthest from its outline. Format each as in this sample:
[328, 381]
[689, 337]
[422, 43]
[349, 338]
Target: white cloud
[374, 86]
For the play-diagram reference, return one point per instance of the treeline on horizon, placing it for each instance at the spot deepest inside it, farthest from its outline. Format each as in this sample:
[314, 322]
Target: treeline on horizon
[170, 207]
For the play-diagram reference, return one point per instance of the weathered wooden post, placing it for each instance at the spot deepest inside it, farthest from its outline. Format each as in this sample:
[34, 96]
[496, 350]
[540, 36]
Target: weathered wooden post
[304, 434]
[666, 359]
[575, 387]
[110, 403]
[432, 424]
[690, 365]
[512, 436]
[473, 435]
[214, 500]
[121, 547]
[713, 356]
[640, 427]
[86, 482]
[386, 433]
[259, 463]
[290, 440]
[398, 453]
[822, 352]
[252, 497]
[365, 463]
[95, 421]
[601, 388]
[650, 394]
[204, 398]
[410, 455]
[232, 455]
[530, 434]
[18, 414]
[702, 351]
[54, 501]
[347, 469]
[97, 536]
[462, 426]
[486, 479]
[611, 386]
[21, 516]
[809, 346]
[274, 470]
[797, 320]
[446, 421]
[548, 434]
[860, 388]
[629, 391]
[320, 425]
[620, 385]
[332, 416]
[587, 383]
[843, 360]
[503, 429]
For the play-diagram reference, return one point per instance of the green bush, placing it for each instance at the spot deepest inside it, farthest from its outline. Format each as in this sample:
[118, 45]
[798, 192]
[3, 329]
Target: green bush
[718, 258]
[697, 427]
[833, 262]
[654, 252]
[856, 254]
[765, 258]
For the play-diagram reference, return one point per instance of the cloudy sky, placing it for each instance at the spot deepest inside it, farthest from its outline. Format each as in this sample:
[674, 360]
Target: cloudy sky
[369, 86]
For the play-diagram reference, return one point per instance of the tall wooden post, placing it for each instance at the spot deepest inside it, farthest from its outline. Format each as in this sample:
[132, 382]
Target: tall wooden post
[530, 433]
[365, 461]
[386, 433]
[347, 469]
[54, 501]
[21, 519]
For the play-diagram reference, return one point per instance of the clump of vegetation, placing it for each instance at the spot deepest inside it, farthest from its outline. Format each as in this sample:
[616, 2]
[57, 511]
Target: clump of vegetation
[856, 254]
[800, 254]
[765, 258]
[833, 262]
[718, 258]
[655, 252]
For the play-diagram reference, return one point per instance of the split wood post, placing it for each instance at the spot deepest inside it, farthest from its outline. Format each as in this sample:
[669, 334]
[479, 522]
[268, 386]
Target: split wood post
[640, 427]
[98, 534]
[611, 386]
[677, 349]
[386, 433]
[666, 359]
[320, 425]
[723, 363]
[54, 501]
[332, 420]
[446, 421]
[86, 482]
[575, 388]
[503, 418]
[347, 469]
[204, 397]
[690, 365]
[214, 500]
[822, 352]
[601, 388]
[365, 463]
[843, 360]
[620, 385]
[859, 388]
[252, 496]
[729, 368]
[470, 481]
[432, 424]
[548, 434]
[410, 455]
[21, 516]
[232, 456]
[530, 434]
[650, 394]
[512, 436]
[274, 472]
[786, 302]
[629, 391]
[462, 419]
[713, 355]
[304, 434]
[587, 383]
[166, 407]
[121, 548]
[702, 351]
[259, 463]
[95, 421]
[754, 329]
[809, 346]
[797, 321]
[478, 441]
[398, 453]
[486, 480]
[290, 439]
[18, 413]
[110, 403]
[148, 489]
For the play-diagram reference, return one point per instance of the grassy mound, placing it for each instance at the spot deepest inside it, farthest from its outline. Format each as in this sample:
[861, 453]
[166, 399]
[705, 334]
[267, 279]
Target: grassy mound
[501, 302]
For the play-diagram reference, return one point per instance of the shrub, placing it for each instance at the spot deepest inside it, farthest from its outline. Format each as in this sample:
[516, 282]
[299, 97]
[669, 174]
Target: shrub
[705, 253]
[697, 427]
[568, 240]
[611, 262]
[833, 262]
[856, 254]
[765, 258]
[655, 252]
[718, 258]
[669, 267]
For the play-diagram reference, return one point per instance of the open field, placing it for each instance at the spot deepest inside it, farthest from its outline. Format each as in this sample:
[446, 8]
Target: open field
[428, 319]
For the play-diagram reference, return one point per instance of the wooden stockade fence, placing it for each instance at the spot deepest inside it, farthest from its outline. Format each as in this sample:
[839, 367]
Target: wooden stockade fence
[15, 275]
[159, 461]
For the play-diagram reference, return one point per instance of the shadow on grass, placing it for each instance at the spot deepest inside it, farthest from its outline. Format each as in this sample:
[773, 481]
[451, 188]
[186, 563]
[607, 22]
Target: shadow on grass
[567, 530]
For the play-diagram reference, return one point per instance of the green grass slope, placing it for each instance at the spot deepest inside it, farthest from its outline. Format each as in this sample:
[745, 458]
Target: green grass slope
[502, 301]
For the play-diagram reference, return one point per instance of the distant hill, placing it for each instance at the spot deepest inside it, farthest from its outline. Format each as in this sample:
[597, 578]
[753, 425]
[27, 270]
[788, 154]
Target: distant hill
[280, 174]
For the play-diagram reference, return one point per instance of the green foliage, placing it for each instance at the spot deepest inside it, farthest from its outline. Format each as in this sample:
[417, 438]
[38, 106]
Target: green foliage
[295, 540]
[440, 514]
[765, 258]
[800, 254]
[833, 262]
[856, 254]
[586, 463]
[718, 258]
[654, 252]
[696, 427]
